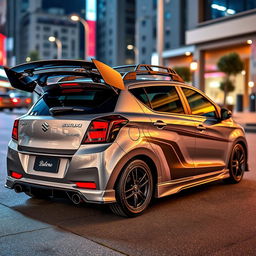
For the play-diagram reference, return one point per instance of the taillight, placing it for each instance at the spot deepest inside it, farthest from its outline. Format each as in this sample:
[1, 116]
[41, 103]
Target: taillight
[1, 99]
[28, 100]
[15, 100]
[104, 130]
[15, 133]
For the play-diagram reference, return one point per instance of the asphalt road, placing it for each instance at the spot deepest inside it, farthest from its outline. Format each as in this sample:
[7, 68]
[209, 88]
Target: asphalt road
[213, 219]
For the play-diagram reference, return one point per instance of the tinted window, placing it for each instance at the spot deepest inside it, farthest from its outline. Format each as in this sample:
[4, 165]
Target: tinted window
[164, 99]
[140, 94]
[199, 105]
[91, 100]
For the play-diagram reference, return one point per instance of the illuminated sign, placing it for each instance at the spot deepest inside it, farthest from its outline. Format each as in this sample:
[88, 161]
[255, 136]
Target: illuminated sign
[91, 20]
[2, 50]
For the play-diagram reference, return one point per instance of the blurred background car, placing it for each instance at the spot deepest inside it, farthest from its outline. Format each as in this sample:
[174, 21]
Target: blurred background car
[13, 100]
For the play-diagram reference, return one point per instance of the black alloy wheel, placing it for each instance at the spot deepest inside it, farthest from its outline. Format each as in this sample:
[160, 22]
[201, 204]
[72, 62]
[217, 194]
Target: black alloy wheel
[237, 164]
[134, 189]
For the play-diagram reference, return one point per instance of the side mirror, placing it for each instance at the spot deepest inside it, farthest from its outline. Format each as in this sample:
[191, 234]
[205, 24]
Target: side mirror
[225, 113]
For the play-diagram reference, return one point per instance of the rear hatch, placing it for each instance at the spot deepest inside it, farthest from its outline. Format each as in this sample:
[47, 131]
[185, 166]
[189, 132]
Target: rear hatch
[57, 123]
[73, 94]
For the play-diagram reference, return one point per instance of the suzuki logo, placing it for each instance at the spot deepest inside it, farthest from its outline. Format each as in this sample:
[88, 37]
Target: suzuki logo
[45, 126]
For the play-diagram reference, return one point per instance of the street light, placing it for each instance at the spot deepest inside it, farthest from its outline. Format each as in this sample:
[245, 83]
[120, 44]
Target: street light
[59, 45]
[131, 47]
[193, 69]
[77, 18]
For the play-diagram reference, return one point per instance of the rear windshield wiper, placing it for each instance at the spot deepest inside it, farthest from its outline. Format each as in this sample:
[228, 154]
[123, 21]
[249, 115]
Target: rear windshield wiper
[59, 110]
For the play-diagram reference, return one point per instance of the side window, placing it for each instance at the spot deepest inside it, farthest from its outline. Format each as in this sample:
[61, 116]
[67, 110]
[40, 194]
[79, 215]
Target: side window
[199, 105]
[140, 94]
[164, 99]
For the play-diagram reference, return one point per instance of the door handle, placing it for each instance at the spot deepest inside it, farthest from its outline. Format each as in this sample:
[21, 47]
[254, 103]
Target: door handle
[201, 127]
[159, 124]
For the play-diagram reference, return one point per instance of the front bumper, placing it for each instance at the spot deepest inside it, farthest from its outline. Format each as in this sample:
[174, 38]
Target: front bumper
[88, 195]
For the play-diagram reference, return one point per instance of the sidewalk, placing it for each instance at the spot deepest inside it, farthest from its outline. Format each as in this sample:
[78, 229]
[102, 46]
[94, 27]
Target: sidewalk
[245, 117]
[20, 235]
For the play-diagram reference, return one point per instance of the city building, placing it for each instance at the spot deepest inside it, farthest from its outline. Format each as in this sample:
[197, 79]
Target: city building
[30, 23]
[116, 31]
[175, 25]
[38, 26]
[215, 28]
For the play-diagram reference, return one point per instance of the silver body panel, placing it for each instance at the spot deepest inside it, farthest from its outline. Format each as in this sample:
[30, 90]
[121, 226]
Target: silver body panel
[182, 155]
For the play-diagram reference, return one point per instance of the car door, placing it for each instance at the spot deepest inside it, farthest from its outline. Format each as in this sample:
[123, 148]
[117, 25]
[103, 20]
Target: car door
[171, 130]
[212, 138]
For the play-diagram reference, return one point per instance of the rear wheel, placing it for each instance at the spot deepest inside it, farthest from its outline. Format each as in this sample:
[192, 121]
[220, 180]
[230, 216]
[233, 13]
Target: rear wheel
[237, 164]
[134, 189]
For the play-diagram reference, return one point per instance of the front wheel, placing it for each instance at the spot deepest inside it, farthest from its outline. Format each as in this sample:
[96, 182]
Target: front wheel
[133, 190]
[237, 164]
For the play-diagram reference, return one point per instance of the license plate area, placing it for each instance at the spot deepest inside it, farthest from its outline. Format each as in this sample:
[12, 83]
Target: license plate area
[46, 164]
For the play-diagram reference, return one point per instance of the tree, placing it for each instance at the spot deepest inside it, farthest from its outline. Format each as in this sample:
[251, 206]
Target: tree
[34, 55]
[184, 73]
[230, 64]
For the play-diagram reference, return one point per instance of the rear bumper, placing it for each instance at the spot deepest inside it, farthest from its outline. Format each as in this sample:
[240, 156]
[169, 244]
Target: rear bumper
[88, 195]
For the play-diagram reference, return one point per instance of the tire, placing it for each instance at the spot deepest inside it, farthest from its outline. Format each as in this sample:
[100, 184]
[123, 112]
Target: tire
[134, 189]
[237, 164]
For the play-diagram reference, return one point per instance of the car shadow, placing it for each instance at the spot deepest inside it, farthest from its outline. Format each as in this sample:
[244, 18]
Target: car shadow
[208, 206]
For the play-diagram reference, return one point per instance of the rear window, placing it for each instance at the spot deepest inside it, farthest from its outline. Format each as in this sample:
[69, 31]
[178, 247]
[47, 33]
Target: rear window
[91, 100]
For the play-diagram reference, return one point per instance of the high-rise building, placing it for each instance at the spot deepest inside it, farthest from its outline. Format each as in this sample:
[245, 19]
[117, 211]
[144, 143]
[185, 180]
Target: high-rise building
[175, 24]
[30, 23]
[116, 31]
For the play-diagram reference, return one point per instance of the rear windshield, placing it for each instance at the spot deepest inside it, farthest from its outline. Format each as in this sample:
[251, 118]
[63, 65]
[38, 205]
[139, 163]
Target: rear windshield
[92, 101]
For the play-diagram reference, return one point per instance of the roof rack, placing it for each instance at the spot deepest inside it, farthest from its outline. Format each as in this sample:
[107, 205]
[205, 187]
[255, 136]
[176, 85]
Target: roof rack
[130, 72]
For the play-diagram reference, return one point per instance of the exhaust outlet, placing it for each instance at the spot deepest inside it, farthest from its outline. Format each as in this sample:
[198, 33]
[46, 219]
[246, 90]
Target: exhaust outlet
[76, 199]
[18, 188]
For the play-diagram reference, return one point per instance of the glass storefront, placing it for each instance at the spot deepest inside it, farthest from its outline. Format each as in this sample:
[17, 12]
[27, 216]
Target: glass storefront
[213, 77]
[215, 9]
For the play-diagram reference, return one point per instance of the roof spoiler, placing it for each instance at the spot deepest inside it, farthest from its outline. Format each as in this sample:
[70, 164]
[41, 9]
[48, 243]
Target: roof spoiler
[27, 76]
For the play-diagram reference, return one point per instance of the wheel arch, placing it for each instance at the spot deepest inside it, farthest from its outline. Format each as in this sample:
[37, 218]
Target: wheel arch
[143, 154]
[242, 141]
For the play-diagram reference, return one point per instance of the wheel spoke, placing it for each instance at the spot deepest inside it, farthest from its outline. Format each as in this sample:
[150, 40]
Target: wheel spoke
[142, 195]
[234, 163]
[133, 178]
[129, 196]
[135, 200]
[128, 190]
[142, 178]
[144, 184]
[241, 159]
[136, 174]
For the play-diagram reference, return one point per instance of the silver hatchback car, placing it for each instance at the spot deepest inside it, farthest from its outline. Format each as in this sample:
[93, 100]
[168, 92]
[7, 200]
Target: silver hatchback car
[118, 136]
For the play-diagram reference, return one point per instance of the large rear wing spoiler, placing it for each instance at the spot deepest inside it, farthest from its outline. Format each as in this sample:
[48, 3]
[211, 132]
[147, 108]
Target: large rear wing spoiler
[27, 76]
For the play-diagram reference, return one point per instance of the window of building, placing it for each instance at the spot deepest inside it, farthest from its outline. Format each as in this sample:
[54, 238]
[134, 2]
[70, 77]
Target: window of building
[143, 38]
[143, 50]
[167, 45]
[47, 28]
[46, 54]
[64, 30]
[221, 8]
[199, 105]
[46, 45]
